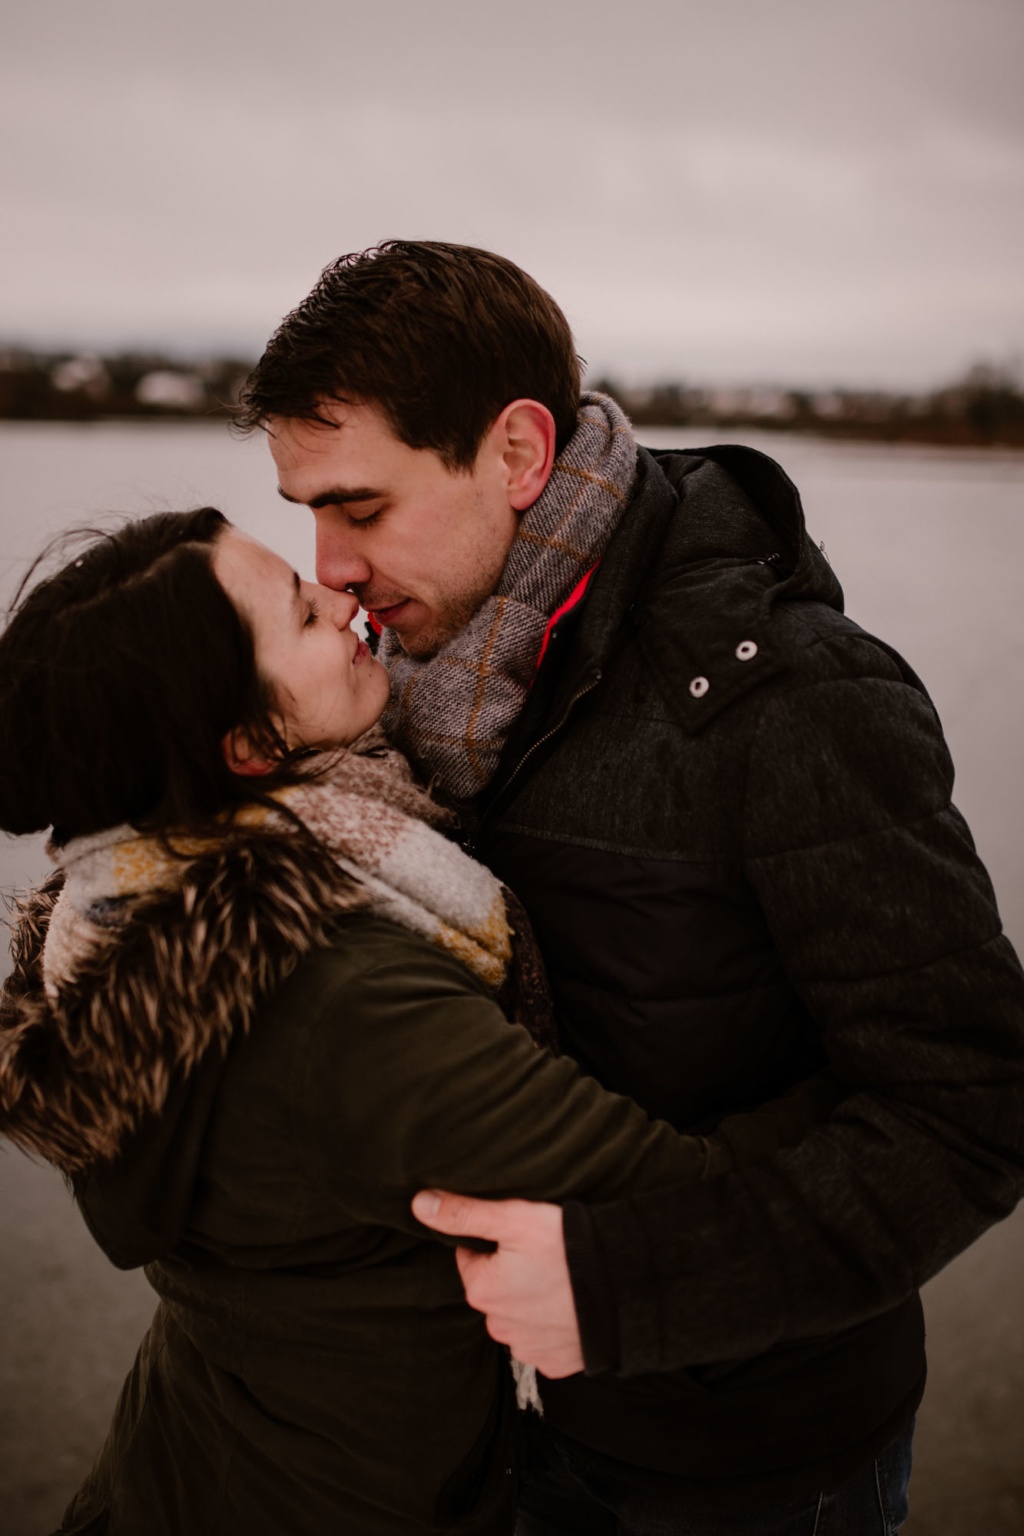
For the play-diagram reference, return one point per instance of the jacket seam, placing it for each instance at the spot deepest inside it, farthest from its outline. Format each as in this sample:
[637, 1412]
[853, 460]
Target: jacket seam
[234, 1430]
[123, 1458]
[849, 837]
[852, 678]
[920, 965]
[235, 1434]
[607, 988]
[601, 845]
[750, 857]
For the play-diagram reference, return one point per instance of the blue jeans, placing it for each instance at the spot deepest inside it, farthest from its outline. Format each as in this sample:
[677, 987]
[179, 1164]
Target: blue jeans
[574, 1495]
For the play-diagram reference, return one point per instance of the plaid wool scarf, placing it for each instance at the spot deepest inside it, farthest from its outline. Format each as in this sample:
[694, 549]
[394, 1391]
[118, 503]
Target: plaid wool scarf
[451, 713]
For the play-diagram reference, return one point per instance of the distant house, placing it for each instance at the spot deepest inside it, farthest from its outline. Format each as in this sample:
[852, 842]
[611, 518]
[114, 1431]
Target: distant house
[171, 390]
[86, 374]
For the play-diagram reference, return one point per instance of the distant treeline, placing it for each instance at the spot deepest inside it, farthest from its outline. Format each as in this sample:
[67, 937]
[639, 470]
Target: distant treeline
[84, 386]
[984, 408]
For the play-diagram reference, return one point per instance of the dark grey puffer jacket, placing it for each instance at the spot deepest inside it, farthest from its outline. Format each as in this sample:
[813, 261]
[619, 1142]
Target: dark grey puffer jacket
[727, 811]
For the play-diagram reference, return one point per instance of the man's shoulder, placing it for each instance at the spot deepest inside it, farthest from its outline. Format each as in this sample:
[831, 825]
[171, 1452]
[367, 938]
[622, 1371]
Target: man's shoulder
[738, 598]
[735, 504]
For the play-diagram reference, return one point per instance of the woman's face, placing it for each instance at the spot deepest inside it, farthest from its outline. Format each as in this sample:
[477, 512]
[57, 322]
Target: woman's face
[327, 687]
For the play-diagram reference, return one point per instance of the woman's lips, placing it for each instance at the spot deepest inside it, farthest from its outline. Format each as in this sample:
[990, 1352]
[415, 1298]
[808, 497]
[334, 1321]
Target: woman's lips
[361, 652]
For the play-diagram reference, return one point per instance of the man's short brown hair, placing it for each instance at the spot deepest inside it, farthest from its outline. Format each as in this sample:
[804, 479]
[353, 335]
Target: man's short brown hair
[439, 337]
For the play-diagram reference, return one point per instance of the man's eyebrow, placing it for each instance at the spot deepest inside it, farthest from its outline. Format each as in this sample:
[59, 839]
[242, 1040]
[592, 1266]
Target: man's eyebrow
[339, 496]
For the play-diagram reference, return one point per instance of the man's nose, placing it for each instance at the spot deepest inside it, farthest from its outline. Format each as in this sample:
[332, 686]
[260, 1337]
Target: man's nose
[337, 564]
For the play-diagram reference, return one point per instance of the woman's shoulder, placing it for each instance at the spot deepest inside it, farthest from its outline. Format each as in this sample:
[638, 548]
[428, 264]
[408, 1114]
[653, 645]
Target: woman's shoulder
[380, 1015]
[373, 967]
[368, 1035]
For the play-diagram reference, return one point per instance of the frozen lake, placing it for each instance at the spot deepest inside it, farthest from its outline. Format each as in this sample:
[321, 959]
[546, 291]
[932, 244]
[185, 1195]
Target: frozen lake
[929, 546]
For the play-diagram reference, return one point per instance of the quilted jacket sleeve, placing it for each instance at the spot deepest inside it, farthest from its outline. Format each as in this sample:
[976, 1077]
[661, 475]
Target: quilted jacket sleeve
[887, 925]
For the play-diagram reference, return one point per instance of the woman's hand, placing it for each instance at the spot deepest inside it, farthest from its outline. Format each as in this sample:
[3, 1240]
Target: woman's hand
[523, 1288]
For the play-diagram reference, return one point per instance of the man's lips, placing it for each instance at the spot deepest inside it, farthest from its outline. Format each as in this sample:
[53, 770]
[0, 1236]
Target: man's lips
[388, 614]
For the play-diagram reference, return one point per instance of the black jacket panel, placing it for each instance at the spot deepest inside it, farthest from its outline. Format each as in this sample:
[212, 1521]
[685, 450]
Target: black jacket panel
[689, 1042]
[727, 811]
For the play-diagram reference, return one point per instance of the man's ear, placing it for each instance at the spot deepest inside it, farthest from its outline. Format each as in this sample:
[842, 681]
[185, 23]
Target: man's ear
[527, 440]
[243, 756]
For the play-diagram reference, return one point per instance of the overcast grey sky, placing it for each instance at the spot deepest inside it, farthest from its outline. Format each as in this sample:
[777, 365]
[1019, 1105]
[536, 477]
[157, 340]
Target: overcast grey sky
[737, 190]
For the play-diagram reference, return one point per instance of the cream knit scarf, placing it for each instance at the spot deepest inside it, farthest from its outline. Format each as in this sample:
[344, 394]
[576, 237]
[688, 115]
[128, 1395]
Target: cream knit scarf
[365, 808]
[452, 712]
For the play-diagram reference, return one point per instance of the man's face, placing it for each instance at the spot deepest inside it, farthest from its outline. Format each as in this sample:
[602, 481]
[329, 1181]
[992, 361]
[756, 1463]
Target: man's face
[419, 546]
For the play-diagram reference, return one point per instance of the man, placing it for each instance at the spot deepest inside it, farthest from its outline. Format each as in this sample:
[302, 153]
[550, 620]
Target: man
[726, 809]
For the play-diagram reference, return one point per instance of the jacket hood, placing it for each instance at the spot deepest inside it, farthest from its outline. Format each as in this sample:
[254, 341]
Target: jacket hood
[113, 1079]
[765, 521]
[734, 546]
[711, 539]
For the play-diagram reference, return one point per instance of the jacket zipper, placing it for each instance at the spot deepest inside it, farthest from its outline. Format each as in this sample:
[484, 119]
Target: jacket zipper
[588, 686]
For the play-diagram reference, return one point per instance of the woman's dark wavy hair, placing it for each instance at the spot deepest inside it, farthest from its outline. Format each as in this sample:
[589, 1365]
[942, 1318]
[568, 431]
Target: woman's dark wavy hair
[439, 337]
[120, 676]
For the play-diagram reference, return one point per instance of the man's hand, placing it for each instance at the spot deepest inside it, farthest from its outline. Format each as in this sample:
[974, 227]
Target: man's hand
[523, 1289]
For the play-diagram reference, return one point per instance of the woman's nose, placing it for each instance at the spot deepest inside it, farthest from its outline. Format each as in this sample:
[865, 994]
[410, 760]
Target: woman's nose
[344, 606]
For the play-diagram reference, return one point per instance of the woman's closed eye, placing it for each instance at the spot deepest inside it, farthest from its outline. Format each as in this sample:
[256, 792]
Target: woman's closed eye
[312, 612]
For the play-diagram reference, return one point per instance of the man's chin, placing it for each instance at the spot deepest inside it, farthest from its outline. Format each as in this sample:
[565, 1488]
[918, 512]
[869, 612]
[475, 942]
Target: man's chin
[416, 640]
[420, 647]
[423, 633]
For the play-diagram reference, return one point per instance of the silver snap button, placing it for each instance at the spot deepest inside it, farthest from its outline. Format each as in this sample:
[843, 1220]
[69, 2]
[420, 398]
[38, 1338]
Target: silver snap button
[699, 687]
[746, 650]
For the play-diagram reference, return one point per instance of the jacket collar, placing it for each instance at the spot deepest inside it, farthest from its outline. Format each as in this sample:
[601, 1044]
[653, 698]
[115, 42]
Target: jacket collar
[711, 539]
[580, 641]
[738, 545]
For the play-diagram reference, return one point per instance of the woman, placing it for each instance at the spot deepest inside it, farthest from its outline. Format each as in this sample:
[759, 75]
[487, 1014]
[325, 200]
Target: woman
[253, 1012]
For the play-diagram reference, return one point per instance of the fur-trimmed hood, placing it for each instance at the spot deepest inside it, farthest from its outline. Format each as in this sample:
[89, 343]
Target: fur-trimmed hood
[82, 1070]
[143, 955]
